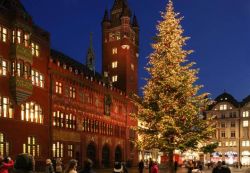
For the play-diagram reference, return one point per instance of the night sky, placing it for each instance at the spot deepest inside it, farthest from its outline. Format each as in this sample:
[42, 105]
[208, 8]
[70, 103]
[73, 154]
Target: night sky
[219, 31]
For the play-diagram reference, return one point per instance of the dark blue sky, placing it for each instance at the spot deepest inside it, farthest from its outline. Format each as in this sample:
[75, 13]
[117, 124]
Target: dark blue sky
[219, 31]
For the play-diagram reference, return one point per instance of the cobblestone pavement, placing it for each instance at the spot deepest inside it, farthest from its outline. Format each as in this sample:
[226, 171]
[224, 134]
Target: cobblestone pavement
[162, 170]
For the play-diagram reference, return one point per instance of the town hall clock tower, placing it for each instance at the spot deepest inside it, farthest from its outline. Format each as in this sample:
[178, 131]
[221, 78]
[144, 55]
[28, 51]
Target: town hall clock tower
[120, 41]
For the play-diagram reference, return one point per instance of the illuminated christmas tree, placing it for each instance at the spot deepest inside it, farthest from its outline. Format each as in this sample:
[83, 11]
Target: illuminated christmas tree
[169, 113]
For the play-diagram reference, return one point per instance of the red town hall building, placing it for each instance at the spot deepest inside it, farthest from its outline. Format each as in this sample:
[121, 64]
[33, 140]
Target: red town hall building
[52, 106]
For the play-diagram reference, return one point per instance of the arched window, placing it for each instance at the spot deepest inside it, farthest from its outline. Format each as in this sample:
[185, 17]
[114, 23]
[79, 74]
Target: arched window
[31, 112]
[31, 147]
[4, 146]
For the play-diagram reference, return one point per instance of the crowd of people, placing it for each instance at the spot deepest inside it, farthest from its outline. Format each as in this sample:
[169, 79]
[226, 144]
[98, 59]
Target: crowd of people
[25, 163]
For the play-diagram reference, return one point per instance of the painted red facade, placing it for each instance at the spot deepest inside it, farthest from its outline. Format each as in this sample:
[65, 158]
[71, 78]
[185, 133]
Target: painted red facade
[52, 106]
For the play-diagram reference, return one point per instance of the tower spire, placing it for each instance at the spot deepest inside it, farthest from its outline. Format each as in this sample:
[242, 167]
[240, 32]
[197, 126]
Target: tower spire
[90, 58]
[106, 16]
[135, 22]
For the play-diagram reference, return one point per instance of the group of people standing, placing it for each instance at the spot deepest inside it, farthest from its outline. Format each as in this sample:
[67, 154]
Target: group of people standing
[221, 167]
[71, 167]
[25, 163]
[152, 166]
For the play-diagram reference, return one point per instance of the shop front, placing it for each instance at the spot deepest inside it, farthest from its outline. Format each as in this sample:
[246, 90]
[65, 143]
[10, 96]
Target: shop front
[231, 157]
[216, 156]
[245, 158]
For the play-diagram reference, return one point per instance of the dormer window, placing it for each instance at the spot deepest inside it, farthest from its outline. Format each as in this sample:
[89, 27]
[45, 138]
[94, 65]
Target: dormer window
[223, 107]
[76, 71]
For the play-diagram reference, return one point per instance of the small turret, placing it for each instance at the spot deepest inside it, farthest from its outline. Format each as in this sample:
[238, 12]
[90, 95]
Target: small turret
[90, 58]
[106, 16]
[134, 22]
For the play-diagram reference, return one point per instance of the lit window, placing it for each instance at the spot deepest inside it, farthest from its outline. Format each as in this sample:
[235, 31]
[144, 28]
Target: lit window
[41, 81]
[226, 144]
[114, 64]
[245, 123]
[4, 146]
[223, 107]
[114, 51]
[72, 92]
[64, 120]
[219, 144]
[132, 67]
[57, 149]
[18, 67]
[19, 36]
[70, 121]
[26, 72]
[118, 35]
[245, 114]
[4, 34]
[26, 39]
[35, 49]
[37, 79]
[13, 36]
[31, 112]
[31, 147]
[3, 67]
[114, 78]
[105, 74]
[6, 107]
[33, 77]
[245, 143]
[70, 150]
[111, 36]
[58, 87]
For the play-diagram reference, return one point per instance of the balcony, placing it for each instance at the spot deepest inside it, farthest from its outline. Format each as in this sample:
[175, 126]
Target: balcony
[21, 52]
[21, 88]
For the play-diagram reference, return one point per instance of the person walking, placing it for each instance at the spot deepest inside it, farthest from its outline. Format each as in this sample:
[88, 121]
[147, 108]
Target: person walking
[154, 168]
[150, 164]
[24, 163]
[49, 167]
[218, 168]
[59, 165]
[71, 166]
[225, 168]
[190, 166]
[141, 166]
[118, 167]
[175, 166]
[87, 166]
[6, 164]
